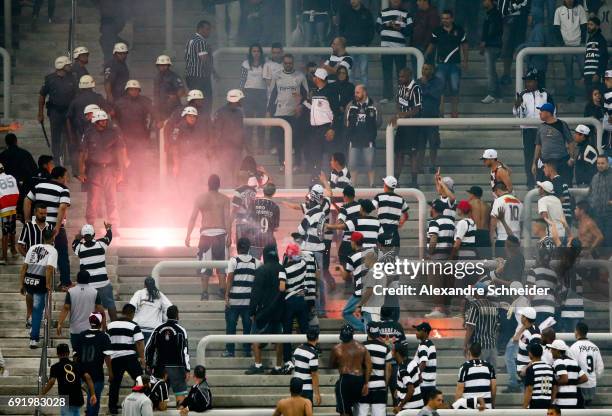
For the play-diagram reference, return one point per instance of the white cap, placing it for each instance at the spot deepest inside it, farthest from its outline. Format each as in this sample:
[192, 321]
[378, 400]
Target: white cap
[87, 81]
[139, 381]
[195, 95]
[189, 110]
[582, 129]
[528, 312]
[608, 74]
[321, 74]
[449, 182]
[133, 84]
[547, 186]
[163, 60]
[235, 95]
[558, 345]
[120, 47]
[97, 315]
[390, 181]
[61, 62]
[99, 115]
[90, 108]
[317, 189]
[87, 229]
[252, 182]
[79, 50]
[489, 154]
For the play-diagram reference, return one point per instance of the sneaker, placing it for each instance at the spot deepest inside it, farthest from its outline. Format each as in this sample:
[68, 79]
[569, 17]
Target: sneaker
[489, 99]
[204, 296]
[253, 369]
[287, 369]
[28, 323]
[34, 344]
[277, 371]
[228, 354]
[384, 101]
[435, 314]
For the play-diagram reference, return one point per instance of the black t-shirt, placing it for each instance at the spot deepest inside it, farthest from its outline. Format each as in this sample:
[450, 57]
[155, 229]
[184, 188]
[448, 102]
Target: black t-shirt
[158, 392]
[91, 354]
[68, 376]
[266, 218]
[448, 44]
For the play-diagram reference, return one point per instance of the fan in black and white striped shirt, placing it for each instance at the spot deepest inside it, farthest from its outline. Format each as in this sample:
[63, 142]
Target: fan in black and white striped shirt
[380, 355]
[530, 334]
[367, 225]
[464, 247]
[395, 27]
[391, 208]
[92, 254]
[426, 357]
[241, 275]
[312, 226]
[295, 272]
[539, 380]
[477, 378]
[306, 366]
[440, 232]
[32, 232]
[338, 58]
[568, 375]
[408, 375]
[54, 194]
[542, 276]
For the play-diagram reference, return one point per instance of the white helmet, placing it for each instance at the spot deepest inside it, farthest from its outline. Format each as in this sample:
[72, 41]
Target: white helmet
[195, 95]
[91, 108]
[99, 115]
[87, 81]
[79, 50]
[163, 60]
[61, 62]
[133, 84]
[189, 110]
[235, 95]
[120, 47]
[87, 229]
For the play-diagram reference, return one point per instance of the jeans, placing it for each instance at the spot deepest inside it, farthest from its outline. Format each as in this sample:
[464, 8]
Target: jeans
[315, 31]
[360, 71]
[388, 74]
[568, 63]
[295, 308]
[347, 313]
[510, 356]
[146, 334]
[529, 138]
[369, 317]
[227, 34]
[120, 365]
[102, 188]
[93, 410]
[232, 313]
[39, 301]
[491, 57]
[70, 410]
[278, 138]
[320, 302]
[450, 76]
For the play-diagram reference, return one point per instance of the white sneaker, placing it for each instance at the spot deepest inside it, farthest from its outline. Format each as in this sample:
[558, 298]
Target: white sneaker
[489, 99]
[34, 344]
[435, 314]
[384, 101]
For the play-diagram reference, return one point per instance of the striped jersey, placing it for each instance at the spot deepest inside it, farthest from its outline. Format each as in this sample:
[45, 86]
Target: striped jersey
[394, 37]
[562, 192]
[450, 210]
[305, 362]
[195, 51]
[92, 258]
[123, 334]
[336, 61]
[608, 101]
[368, 226]
[52, 194]
[426, 353]
[311, 229]
[540, 376]
[531, 334]
[266, 218]
[589, 358]
[408, 374]
[295, 273]
[243, 201]
[243, 267]
[380, 355]
[31, 234]
[573, 303]
[544, 278]
[355, 266]
[390, 208]
[310, 279]
[483, 315]
[476, 376]
[592, 56]
[567, 395]
[340, 179]
[409, 97]
[465, 230]
[443, 228]
[348, 212]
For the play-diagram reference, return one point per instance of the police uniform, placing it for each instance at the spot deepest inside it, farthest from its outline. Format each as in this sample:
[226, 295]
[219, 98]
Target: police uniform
[78, 71]
[118, 74]
[229, 134]
[187, 142]
[203, 124]
[166, 87]
[102, 165]
[60, 90]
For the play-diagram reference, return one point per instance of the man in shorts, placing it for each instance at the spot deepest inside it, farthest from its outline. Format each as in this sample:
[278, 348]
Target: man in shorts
[296, 405]
[215, 231]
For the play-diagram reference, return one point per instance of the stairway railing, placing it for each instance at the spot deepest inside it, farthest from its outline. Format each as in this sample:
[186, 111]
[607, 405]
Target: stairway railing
[72, 27]
[44, 356]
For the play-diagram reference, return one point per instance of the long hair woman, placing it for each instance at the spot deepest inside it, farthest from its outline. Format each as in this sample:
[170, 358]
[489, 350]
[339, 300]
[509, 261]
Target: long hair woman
[254, 87]
[151, 306]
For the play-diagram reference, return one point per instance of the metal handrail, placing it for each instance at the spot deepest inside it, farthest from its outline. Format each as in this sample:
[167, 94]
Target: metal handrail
[6, 76]
[357, 50]
[480, 121]
[72, 27]
[44, 355]
[8, 25]
[542, 50]
[511, 412]
[224, 412]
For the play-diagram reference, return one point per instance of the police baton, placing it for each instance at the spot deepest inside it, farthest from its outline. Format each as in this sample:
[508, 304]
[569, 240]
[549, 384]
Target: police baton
[42, 125]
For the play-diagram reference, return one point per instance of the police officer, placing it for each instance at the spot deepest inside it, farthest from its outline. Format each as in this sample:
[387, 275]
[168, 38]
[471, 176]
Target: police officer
[168, 88]
[195, 98]
[116, 73]
[134, 115]
[229, 130]
[60, 87]
[185, 144]
[101, 167]
[80, 55]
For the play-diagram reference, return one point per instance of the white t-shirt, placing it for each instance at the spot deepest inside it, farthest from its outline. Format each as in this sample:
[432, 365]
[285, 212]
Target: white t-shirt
[149, 314]
[271, 70]
[569, 21]
[38, 257]
[589, 358]
[552, 205]
[254, 76]
[513, 212]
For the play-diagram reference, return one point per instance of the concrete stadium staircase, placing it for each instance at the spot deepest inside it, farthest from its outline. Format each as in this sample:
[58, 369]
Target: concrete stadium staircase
[132, 256]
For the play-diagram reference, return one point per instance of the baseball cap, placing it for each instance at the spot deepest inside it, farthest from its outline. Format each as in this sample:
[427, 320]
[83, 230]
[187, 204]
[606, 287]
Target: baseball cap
[87, 229]
[449, 182]
[321, 74]
[608, 74]
[356, 236]
[95, 318]
[531, 74]
[558, 345]
[582, 129]
[390, 181]
[235, 95]
[528, 312]
[464, 206]
[475, 190]
[373, 329]
[423, 326]
[438, 205]
[489, 154]
[385, 239]
[550, 107]
[547, 186]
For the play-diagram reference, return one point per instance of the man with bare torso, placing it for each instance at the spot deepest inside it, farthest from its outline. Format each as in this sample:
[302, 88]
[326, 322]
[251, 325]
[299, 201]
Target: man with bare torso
[215, 231]
[355, 366]
[589, 233]
[296, 405]
[480, 213]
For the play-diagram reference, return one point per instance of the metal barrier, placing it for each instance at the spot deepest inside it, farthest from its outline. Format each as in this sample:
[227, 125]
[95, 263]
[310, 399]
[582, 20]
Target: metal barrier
[356, 50]
[542, 50]
[511, 412]
[480, 121]
[6, 79]
[8, 25]
[224, 412]
[169, 28]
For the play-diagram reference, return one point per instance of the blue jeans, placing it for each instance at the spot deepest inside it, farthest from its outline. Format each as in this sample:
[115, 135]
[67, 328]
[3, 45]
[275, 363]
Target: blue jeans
[315, 31]
[510, 356]
[232, 313]
[360, 69]
[39, 300]
[568, 63]
[450, 76]
[491, 57]
[93, 410]
[368, 318]
[347, 313]
[70, 411]
[320, 300]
